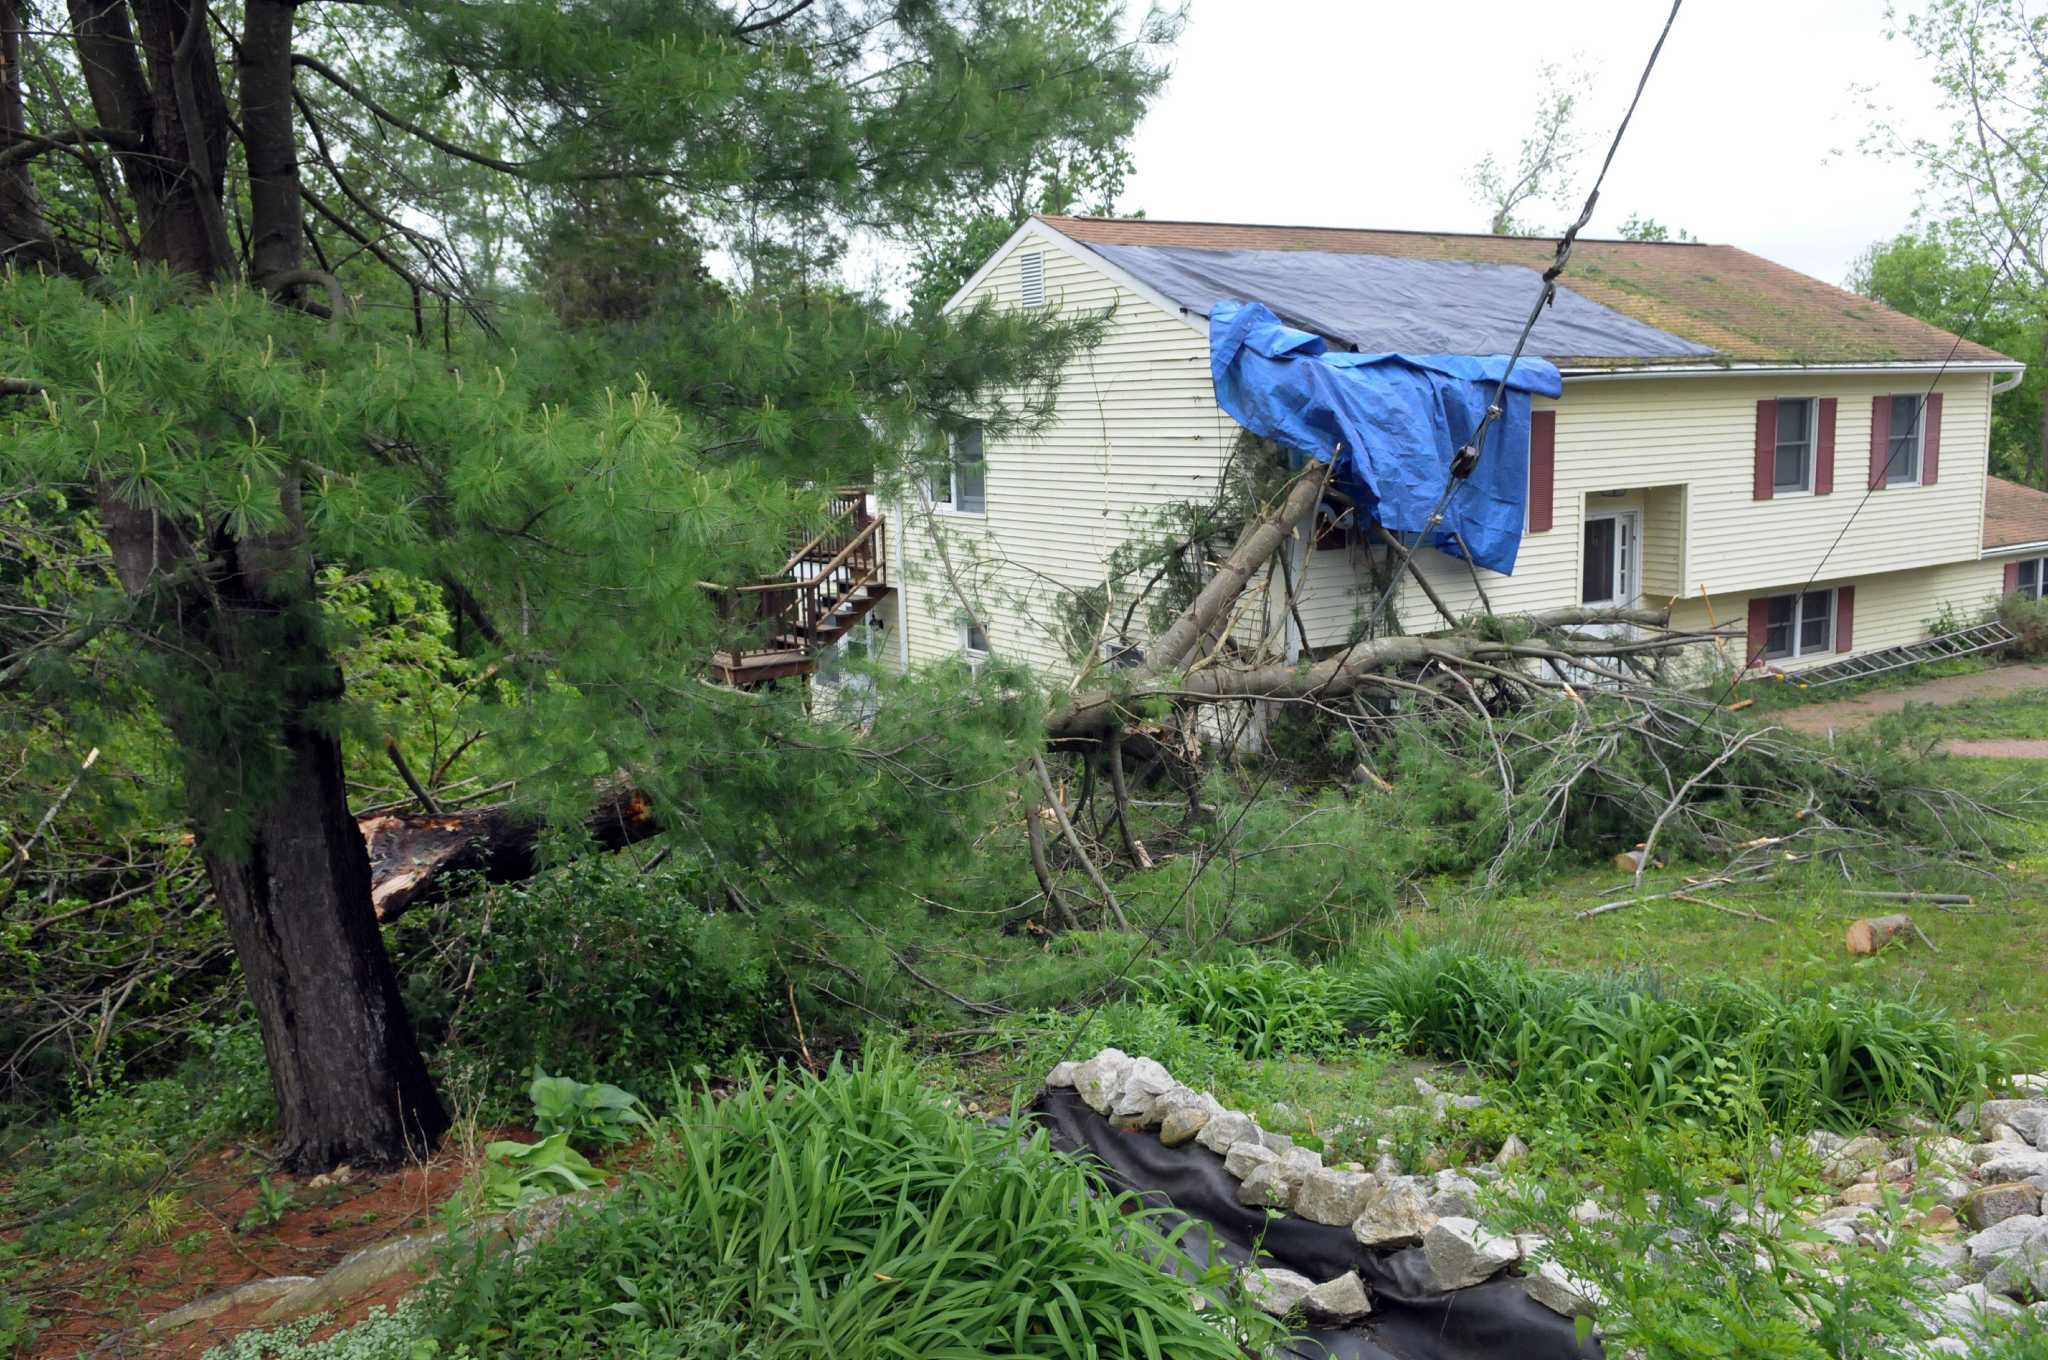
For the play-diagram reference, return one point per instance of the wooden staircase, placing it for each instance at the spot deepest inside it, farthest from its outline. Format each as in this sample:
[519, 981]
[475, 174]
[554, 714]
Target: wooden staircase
[829, 585]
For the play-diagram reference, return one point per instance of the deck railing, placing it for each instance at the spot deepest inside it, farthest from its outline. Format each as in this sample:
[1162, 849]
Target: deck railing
[791, 611]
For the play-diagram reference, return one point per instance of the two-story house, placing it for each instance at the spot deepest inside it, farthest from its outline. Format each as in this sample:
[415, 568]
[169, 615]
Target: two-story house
[1789, 456]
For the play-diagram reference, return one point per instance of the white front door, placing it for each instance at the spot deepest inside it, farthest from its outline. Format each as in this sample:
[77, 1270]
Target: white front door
[1611, 565]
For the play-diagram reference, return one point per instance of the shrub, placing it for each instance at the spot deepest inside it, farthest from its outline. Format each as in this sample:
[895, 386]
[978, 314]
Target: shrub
[2028, 619]
[623, 970]
[1625, 1048]
[1262, 1006]
[848, 1215]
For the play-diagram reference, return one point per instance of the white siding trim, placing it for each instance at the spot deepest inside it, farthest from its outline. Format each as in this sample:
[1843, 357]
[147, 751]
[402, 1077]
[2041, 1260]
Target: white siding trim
[1711, 370]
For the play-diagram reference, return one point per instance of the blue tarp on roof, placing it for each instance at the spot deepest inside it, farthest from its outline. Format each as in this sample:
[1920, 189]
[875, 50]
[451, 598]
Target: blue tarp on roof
[1394, 421]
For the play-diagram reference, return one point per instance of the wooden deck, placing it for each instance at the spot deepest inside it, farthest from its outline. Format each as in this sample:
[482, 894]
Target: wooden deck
[830, 583]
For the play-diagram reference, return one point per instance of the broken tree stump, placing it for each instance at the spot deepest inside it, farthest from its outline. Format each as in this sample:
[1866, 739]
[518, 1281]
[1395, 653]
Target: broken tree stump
[1872, 933]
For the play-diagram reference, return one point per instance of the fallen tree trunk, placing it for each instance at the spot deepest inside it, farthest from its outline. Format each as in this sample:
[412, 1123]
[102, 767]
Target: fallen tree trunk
[416, 857]
[1873, 933]
[1096, 712]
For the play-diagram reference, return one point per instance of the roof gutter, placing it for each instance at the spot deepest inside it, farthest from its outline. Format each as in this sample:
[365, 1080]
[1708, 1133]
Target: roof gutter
[2012, 366]
[2012, 549]
[2008, 384]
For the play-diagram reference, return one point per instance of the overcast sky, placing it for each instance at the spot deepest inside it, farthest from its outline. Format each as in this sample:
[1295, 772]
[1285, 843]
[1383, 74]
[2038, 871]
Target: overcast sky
[1368, 113]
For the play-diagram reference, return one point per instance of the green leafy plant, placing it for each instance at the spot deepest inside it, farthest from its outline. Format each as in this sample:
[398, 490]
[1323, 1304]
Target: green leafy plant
[852, 1215]
[515, 1173]
[272, 1203]
[590, 1114]
[1262, 1006]
[1628, 1048]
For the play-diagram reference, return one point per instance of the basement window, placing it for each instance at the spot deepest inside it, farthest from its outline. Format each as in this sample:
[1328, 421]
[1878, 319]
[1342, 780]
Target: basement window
[973, 645]
[1800, 625]
[2033, 577]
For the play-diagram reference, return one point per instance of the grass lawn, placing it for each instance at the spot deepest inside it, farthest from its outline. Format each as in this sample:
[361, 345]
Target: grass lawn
[2013, 717]
[1989, 963]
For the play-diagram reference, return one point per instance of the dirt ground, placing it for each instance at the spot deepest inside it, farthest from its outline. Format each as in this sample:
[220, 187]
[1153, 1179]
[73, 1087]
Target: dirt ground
[1844, 715]
[101, 1311]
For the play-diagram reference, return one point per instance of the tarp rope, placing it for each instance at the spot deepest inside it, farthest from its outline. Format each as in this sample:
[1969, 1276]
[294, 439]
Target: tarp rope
[1467, 458]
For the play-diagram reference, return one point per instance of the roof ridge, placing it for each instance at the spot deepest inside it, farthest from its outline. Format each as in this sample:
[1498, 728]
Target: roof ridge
[1372, 231]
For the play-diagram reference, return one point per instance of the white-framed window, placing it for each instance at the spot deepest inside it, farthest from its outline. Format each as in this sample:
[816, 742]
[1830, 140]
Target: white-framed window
[973, 644]
[1792, 466]
[1031, 277]
[1908, 437]
[962, 487]
[1799, 625]
[2032, 577]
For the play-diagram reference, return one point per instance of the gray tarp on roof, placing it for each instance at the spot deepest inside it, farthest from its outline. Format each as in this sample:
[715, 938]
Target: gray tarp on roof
[1382, 304]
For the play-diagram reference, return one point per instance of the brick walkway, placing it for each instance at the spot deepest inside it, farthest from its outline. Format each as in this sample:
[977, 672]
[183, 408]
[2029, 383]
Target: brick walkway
[1847, 714]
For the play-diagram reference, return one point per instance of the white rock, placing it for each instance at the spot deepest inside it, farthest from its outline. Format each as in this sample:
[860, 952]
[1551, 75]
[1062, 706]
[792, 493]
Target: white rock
[1461, 1253]
[1276, 1291]
[1101, 1078]
[1269, 1185]
[1243, 1157]
[1278, 1142]
[1335, 1197]
[1387, 1164]
[1338, 1301]
[2014, 1166]
[2022, 1273]
[1588, 1212]
[1303, 1161]
[1226, 1129]
[1396, 1216]
[1966, 1309]
[1454, 1195]
[1183, 1122]
[2004, 1236]
[1563, 1292]
[2030, 1121]
[2031, 1083]
[1993, 1113]
[1062, 1076]
[1144, 1084]
[1512, 1151]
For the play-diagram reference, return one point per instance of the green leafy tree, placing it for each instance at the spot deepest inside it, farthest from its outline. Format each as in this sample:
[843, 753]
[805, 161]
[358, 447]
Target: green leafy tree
[221, 334]
[1081, 171]
[1984, 198]
[1640, 228]
[1934, 276]
[1544, 166]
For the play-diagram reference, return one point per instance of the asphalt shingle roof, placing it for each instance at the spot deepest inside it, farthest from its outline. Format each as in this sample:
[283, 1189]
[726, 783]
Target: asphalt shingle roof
[1742, 306]
[2014, 515]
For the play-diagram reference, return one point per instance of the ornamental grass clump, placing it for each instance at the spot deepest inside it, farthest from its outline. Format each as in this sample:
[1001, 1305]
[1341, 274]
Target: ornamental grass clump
[1720, 1052]
[838, 1216]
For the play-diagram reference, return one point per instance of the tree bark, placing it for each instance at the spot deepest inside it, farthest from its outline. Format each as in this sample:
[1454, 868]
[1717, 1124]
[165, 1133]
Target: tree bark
[1090, 714]
[417, 859]
[24, 235]
[1260, 540]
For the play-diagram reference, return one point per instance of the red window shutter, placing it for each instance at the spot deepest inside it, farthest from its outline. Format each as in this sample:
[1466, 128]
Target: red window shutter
[2012, 578]
[1542, 470]
[1759, 625]
[1766, 448]
[1880, 439]
[1930, 443]
[1824, 449]
[1845, 618]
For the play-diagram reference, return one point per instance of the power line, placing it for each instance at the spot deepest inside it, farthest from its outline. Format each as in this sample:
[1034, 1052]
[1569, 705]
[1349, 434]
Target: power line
[1467, 458]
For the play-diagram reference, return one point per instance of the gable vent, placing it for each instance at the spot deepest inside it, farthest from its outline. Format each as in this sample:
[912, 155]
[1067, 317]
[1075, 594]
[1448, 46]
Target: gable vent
[1031, 277]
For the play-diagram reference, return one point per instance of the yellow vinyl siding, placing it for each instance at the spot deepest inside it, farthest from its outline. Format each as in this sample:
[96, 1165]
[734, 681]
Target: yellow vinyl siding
[1891, 607]
[1136, 428]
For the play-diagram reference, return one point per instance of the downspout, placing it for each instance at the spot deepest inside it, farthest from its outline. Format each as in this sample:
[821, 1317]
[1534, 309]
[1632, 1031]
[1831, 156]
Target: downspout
[902, 602]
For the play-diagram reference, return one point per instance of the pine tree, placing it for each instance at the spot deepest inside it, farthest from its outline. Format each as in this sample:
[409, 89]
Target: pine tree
[266, 287]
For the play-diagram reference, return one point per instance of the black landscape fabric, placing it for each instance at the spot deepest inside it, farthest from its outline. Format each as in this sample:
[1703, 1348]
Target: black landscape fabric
[1386, 304]
[1411, 1319]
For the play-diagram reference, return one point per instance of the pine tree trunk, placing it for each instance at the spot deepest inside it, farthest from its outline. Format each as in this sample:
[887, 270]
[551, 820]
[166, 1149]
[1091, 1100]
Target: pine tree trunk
[350, 1083]
[283, 854]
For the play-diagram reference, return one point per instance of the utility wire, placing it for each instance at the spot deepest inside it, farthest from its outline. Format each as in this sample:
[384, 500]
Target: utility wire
[1467, 458]
[1461, 468]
